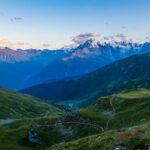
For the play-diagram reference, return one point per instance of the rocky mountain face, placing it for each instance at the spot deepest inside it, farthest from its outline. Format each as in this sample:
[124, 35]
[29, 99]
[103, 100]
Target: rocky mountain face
[8, 55]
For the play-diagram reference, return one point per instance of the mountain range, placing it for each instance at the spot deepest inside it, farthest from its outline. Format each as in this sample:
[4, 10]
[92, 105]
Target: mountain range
[23, 68]
[100, 82]
[16, 66]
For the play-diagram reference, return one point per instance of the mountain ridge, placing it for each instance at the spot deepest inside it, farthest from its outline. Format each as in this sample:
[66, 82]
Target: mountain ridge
[133, 67]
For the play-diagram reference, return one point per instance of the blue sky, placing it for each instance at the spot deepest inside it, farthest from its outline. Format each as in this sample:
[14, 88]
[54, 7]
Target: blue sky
[53, 23]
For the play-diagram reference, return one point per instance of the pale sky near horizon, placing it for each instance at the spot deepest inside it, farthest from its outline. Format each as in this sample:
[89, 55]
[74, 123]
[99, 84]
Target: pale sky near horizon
[53, 23]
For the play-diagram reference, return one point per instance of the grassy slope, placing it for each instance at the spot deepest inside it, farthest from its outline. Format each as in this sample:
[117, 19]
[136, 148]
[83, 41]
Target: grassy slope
[131, 138]
[124, 109]
[129, 122]
[25, 112]
[14, 136]
[15, 105]
[130, 107]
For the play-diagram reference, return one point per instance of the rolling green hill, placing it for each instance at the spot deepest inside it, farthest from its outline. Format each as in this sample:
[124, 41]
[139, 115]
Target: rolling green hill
[124, 109]
[18, 106]
[18, 113]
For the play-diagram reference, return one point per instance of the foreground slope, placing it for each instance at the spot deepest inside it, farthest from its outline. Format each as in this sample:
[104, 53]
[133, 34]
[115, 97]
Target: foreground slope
[137, 137]
[14, 136]
[15, 105]
[131, 68]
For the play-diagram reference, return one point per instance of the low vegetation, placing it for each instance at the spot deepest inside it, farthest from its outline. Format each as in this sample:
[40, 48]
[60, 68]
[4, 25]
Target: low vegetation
[118, 120]
[17, 106]
[14, 136]
[137, 137]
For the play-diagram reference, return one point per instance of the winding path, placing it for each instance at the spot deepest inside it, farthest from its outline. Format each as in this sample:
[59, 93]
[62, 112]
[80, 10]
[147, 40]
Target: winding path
[114, 111]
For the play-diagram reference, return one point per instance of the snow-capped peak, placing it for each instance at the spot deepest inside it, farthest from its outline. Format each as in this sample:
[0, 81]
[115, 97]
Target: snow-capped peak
[92, 43]
[120, 40]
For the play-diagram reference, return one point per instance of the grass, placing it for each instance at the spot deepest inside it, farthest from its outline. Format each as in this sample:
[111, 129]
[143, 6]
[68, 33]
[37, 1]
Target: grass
[14, 136]
[129, 138]
[17, 106]
[135, 102]
[135, 94]
[125, 118]
[25, 112]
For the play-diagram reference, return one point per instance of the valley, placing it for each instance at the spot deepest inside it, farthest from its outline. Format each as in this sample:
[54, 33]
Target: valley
[107, 108]
[74, 75]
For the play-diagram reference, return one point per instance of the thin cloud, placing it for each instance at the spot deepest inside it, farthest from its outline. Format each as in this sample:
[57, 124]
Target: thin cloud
[46, 45]
[16, 19]
[119, 38]
[79, 39]
[5, 42]
[21, 44]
